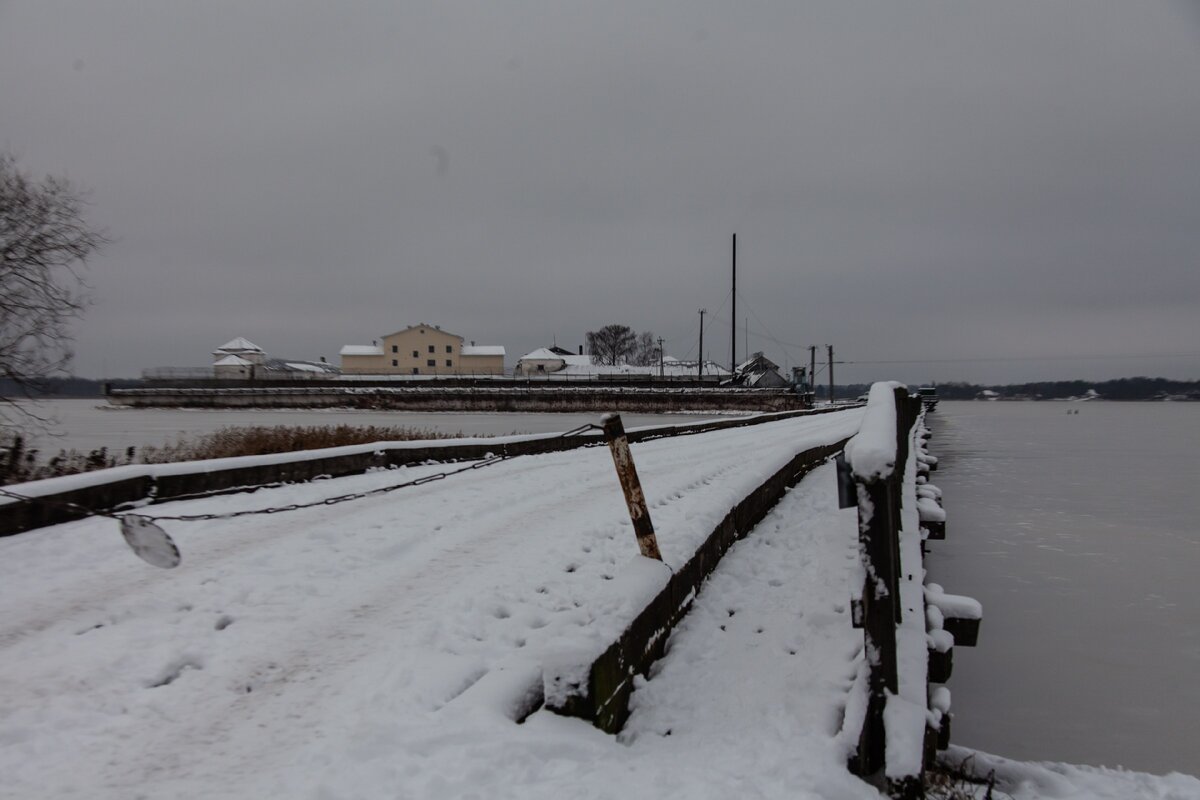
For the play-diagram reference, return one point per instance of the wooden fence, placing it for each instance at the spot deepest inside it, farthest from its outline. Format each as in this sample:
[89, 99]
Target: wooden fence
[56, 500]
[909, 629]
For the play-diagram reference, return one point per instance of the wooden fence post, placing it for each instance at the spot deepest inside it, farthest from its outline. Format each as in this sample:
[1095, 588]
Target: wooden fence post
[880, 607]
[879, 508]
[614, 434]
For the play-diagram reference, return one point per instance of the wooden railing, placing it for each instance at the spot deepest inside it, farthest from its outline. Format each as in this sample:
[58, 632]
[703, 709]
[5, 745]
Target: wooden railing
[908, 628]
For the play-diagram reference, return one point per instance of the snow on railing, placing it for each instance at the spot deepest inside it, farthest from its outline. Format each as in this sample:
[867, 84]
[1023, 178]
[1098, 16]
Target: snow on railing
[871, 454]
[909, 629]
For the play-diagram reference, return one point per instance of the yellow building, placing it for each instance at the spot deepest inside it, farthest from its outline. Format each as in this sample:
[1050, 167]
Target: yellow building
[423, 350]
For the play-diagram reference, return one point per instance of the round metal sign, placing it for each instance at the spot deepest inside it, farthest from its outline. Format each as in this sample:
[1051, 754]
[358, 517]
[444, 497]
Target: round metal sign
[149, 542]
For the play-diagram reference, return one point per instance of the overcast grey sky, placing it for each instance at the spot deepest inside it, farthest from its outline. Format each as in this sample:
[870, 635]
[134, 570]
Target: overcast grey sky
[1004, 191]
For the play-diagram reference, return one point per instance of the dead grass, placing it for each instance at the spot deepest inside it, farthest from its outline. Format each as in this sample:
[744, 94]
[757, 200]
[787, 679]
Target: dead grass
[18, 464]
[951, 781]
[258, 440]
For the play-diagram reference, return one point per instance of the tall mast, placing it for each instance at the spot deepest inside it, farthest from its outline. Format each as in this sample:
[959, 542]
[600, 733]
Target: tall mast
[733, 314]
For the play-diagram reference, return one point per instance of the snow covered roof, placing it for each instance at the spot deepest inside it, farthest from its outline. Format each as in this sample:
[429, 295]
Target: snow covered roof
[755, 363]
[239, 345]
[541, 354]
[583, 365]
[232, 361]
[483, 349]
[361, 350]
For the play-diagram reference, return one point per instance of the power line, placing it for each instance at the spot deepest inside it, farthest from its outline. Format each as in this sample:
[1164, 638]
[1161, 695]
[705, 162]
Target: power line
[691, 336]
[771, 337]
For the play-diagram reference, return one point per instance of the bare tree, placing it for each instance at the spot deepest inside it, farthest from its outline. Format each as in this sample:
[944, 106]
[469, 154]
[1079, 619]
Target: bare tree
[611, 345]
[44, 242]
[645, 351]
[620, 344]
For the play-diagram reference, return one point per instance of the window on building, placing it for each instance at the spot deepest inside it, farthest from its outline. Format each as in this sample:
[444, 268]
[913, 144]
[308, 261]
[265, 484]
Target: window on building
[416, 354]
[395, 348]
[449, 348]
[395, 363]
[541, 367]
[431, 349]
[416, 371]
[431, 362]
[449, 363]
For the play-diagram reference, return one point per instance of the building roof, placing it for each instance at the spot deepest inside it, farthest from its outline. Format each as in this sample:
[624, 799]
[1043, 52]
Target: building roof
[430, 327]
[239, 345]
[300, 365]
[232, 361]
[483, 350]
[361, 350]
[583, 365]
[756, 363]
[542, 354]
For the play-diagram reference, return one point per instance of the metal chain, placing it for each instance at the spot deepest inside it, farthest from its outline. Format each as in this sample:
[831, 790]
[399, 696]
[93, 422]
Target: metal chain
[84, 510]
[329, 501]
[332, 501]
[487, 461]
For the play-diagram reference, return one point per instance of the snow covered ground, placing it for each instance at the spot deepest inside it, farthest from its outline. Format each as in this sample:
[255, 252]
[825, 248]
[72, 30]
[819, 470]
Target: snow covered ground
[337, 652]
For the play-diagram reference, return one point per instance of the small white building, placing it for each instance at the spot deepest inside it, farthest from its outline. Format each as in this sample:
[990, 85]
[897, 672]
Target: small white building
[233, 367]
[759, 372]
[243, 349]
[545, 360]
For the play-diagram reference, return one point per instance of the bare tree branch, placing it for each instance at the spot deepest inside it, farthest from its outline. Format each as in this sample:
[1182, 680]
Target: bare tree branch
[44, 244]
[645, 350]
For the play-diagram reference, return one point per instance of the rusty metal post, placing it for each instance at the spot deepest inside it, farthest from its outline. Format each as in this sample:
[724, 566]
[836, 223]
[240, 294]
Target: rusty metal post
[614, 434]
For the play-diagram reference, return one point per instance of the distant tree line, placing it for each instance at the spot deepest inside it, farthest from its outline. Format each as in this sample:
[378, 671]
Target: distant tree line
[1140, 388]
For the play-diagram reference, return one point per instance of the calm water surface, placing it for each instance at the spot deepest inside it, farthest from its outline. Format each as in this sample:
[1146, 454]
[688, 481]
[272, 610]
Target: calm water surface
[88, 424]
[1078, 533]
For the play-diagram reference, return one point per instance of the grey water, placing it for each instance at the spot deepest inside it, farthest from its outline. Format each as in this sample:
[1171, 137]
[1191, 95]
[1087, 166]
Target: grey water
[1079, 534]
[86, 424]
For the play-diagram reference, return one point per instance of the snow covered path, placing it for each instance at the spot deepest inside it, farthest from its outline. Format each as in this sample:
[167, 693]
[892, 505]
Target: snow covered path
[265, 656]
[746, 704]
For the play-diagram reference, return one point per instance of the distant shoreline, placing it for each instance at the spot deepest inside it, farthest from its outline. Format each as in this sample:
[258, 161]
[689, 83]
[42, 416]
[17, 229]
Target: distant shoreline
[1123, 389]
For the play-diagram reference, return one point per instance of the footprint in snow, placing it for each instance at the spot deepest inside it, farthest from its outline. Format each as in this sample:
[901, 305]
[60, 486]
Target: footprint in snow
[171, 672]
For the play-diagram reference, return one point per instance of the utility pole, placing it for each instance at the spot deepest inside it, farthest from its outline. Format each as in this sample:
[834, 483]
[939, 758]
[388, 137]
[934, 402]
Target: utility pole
[812, 370]
[661, 371]
[703, 311]
[829, 350]
[746, 341]
[733, 314]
